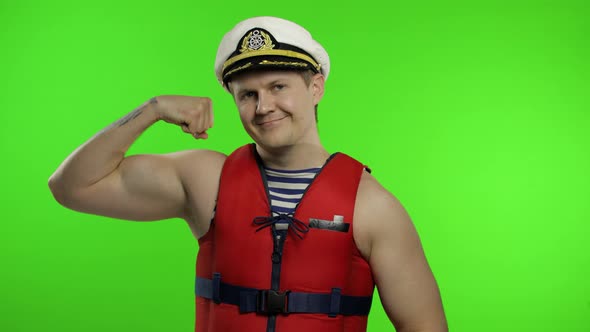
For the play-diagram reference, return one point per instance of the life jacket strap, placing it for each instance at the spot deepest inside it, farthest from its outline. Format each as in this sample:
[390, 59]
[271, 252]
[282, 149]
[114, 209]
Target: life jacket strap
[271, 302]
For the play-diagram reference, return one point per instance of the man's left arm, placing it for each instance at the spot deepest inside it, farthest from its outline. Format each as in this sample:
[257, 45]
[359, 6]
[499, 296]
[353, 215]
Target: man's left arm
[406, 285]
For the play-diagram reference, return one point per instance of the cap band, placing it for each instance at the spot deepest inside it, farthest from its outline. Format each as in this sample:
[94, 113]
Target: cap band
[286, 53]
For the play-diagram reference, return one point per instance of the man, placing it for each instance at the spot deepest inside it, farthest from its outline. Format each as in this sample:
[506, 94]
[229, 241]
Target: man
[299, 236]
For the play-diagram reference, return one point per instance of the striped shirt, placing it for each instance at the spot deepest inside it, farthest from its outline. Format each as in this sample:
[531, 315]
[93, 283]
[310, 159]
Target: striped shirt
[287, 187]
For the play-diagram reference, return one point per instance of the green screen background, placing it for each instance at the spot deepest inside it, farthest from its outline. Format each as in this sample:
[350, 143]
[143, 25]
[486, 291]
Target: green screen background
[476, 116]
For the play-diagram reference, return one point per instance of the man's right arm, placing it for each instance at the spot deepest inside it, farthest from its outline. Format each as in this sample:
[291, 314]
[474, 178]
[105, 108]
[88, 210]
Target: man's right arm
[97, 178]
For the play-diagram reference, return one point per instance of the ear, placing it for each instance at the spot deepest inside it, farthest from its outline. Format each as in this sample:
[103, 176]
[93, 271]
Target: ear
[317, 84]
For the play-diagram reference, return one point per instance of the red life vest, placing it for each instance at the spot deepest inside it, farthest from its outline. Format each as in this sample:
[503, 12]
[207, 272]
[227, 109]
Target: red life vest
[320, 280]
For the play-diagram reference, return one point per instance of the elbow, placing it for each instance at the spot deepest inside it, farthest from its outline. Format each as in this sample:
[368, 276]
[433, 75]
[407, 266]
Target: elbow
[57, 190]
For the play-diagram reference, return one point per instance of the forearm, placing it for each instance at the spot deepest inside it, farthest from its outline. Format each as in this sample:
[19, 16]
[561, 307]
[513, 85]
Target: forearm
[102, 154]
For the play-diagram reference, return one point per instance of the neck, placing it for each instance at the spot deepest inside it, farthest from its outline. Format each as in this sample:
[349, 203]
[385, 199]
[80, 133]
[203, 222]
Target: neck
[294, 157]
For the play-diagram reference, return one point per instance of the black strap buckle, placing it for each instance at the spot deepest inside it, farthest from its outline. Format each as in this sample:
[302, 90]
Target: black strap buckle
[271, 302]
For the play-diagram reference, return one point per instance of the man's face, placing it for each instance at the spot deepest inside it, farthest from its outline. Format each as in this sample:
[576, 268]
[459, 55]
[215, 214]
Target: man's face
[277, 107]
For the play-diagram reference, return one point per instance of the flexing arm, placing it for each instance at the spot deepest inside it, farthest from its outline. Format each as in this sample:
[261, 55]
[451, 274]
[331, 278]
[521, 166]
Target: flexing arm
[97, 177]
[406, 285]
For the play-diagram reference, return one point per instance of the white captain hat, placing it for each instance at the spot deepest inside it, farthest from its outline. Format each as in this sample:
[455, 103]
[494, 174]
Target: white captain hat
[268, 43]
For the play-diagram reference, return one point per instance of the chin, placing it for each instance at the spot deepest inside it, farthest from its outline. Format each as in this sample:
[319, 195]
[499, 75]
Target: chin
[273, 144]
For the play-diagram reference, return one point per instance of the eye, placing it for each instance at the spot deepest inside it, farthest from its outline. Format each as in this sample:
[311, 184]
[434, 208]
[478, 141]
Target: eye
[247, 95]
[279, 87]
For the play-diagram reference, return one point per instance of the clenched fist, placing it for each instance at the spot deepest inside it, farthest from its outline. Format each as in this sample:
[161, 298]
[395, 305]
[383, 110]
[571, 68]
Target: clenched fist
[193, 114]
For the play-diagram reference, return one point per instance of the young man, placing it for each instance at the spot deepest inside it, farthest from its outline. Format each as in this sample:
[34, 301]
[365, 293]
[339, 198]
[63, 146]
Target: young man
[299, 236]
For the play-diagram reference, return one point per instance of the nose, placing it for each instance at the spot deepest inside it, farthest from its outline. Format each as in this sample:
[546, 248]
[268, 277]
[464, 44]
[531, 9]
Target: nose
[265, 103]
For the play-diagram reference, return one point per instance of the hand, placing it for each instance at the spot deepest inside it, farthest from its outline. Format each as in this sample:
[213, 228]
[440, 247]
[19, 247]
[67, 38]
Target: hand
[193, 114]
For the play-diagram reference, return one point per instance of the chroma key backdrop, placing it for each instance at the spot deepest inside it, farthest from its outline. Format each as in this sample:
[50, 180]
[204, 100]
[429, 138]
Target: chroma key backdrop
[475, 115]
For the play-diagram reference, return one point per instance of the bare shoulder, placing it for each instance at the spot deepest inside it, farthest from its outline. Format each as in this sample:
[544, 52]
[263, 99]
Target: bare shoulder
[388, 240]
[376, 211]
[199, 171]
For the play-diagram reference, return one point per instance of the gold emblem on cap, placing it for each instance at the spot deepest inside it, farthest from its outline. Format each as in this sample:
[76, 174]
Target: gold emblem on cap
[256, 40]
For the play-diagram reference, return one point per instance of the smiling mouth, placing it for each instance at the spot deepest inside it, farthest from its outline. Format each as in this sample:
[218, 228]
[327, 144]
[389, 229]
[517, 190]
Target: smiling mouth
[269, 122]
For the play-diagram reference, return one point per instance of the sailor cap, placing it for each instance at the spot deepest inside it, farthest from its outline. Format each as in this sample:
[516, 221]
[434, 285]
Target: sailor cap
[268, 43]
